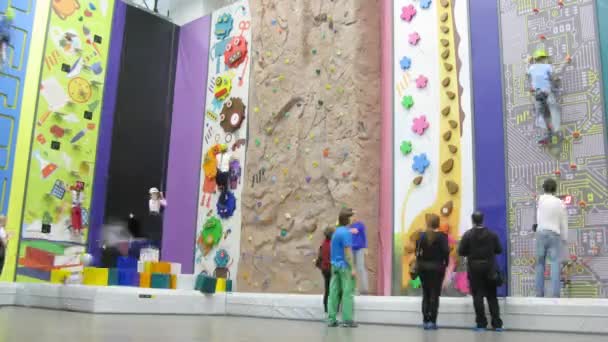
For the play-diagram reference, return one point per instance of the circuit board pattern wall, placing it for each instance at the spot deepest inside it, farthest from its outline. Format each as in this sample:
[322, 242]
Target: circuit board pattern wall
[578, 162]
[64, 141]
[12, 77]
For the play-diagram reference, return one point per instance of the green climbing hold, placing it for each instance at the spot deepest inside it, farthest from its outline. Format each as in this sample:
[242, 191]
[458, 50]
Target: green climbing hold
[314, 51]
[415, 283]
[283, 233]
[407, 102]
[406, 147]
[318, 71]
[287, 114]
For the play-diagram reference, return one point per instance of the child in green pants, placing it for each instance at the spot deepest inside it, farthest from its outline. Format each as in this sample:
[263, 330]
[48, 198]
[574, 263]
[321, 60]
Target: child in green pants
[343, 272]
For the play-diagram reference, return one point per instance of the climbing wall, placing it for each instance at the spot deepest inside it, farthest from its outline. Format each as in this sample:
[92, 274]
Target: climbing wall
[227, 115]
[65, 134]
[433, 151]
[12, 78]
[313, 140]
[564, 28]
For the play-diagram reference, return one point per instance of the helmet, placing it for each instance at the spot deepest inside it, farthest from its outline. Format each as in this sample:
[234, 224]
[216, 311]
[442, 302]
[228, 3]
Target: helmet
[540, 53]
[154, 191]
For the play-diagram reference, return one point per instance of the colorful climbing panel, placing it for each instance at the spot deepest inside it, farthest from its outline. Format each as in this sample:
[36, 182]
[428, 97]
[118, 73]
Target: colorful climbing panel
[432, 131]
[12, 79]
[64, 144]
[568, 31]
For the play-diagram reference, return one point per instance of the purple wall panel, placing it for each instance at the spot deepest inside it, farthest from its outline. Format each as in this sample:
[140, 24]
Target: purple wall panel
[104, 144]
[489, 131]
[179, 226]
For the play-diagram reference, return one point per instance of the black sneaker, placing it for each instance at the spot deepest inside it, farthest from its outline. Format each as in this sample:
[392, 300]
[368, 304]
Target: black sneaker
[332, 324]
[349, 324]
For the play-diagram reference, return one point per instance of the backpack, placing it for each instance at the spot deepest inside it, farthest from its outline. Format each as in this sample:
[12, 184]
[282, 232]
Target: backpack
[226, 204]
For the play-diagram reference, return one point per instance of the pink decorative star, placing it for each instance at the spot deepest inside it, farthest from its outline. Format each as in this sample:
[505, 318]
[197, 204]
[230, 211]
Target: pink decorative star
[421, 82]
[414, 38]
[408, 13]
[420, 125]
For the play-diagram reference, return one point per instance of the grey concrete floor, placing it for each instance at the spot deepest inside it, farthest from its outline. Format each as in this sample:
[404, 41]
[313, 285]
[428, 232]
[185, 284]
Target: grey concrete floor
[24, 325]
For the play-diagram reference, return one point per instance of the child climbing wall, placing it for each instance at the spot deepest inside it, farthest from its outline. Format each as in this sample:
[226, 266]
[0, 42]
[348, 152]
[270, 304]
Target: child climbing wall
[60, 174]
[224, 142]
[314, 138]
[433, 133]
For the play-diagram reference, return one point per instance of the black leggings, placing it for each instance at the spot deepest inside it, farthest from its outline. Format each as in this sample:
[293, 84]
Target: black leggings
[482, 286]
[431, 290]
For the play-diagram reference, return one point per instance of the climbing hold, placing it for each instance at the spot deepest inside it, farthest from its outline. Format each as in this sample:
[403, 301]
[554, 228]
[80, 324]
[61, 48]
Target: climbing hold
[256, 109]
[542, 37]
[406, 147]
[328, 86]
[445, 29]
[314, 51]
[250, 238]
[447, 135]
[405, 63]
[451, 95]
[446, 111]
[421, 82]
[283, 233]
[308, 179]
[446, 82]
[453, 149]
[421, 163]
[453, 124]
[582, 204]
[448, 66]
[408, 13]
[326, 152]
[447, 208]
[447, 166]
[318, 71]
[445, 42]
[257, 142]
[573, 166]
[536, 10]
[576, 134]
[557, 172]
[452, 187]
[315, 164]
[445, 3]
[560, 3]
[288, 216]
[444, 17]
[418, 180]
[420, 125]
[568, 58]
[445, 54]
[414, 38]
[425, 4]
[407, 102]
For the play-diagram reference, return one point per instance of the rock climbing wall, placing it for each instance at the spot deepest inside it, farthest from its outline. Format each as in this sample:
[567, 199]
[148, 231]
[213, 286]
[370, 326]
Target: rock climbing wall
[314, 141]
[563, 28]
[433, 144]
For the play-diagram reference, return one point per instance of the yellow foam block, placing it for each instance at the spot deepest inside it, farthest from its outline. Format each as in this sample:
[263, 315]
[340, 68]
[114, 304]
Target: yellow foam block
[161, 267]
[95, 276]
[145, 279]
[148, 267]
[220, 285]
[59, 276]
[173, 281]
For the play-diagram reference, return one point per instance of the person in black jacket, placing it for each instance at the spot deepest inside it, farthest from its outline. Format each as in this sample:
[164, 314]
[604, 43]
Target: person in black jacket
[433, 254]
[480, 246]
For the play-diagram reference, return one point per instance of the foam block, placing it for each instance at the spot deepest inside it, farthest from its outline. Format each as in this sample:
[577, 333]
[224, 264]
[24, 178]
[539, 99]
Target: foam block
[173, 284]
[160, 281]
[176, 268]
[185, 281]
[113, 277]
[39, 256]
[95, 276]
[126, 263]
[144, 280]
[228, 285]
[59, 276]
[161, 267]
[205, 283]
[220, 285]
[128, 277]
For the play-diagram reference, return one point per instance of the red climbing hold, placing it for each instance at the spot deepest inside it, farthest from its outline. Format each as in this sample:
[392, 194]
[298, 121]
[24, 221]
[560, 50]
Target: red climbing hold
[573, 166]
[558, 172]
[536, 10]
[560, 3]
[542, 37]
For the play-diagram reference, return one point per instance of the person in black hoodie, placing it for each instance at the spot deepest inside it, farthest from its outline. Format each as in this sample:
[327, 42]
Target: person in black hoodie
[434, 251]
[480, 246]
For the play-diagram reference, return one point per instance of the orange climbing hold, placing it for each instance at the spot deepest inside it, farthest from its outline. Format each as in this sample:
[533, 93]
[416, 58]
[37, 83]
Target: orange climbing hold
[582, 204]
[576, 134]
[573, 166]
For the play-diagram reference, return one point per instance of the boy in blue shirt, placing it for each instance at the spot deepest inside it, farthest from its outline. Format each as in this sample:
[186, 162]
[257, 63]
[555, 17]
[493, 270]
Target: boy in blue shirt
[343, 272]
[546, 108]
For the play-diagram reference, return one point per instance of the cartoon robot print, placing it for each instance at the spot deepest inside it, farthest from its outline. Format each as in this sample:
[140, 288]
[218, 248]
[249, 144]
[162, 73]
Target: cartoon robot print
[237, 51]
[222, 30]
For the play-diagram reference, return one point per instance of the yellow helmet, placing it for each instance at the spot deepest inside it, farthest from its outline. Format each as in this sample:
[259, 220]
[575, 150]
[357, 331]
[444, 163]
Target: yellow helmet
[540, 53]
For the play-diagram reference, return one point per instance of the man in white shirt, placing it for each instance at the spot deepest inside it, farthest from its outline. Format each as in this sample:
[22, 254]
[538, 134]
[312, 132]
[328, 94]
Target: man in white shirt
[551, 236]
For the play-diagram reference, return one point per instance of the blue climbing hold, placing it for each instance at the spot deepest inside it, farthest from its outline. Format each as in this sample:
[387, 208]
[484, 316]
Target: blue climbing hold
[425, 4]
[405, 63]
[421, 162]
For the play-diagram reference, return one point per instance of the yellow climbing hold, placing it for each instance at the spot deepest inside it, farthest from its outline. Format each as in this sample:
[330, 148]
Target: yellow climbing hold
[315, 164]
[328, 86]
[256, 109]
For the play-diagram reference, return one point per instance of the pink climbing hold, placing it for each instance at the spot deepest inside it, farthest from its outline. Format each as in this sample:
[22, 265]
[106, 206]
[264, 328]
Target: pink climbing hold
[408, 13]
[421, 82]
[414, 38]
[420, 125]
